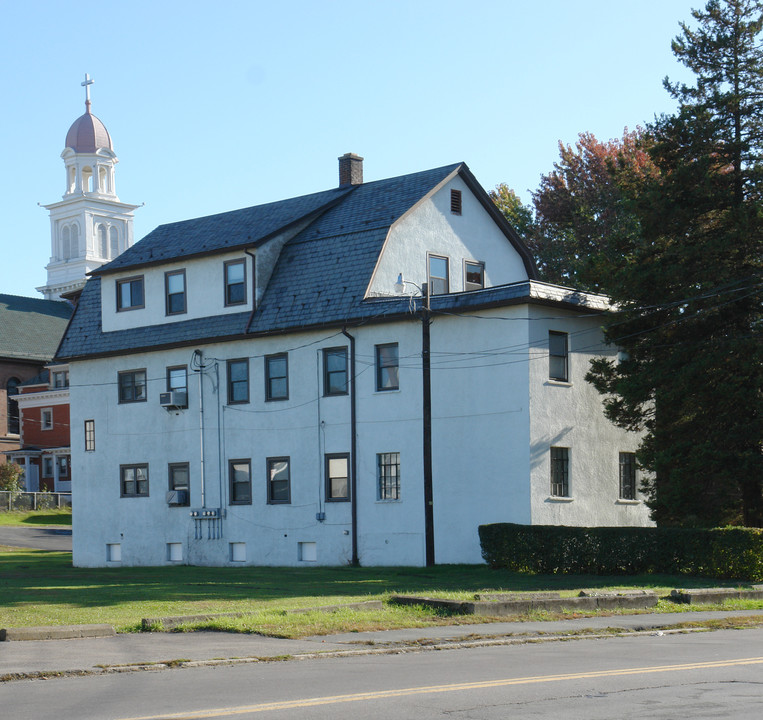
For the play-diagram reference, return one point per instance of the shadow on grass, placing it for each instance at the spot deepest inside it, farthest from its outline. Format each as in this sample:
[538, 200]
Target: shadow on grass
[37, 577]
[53, 518]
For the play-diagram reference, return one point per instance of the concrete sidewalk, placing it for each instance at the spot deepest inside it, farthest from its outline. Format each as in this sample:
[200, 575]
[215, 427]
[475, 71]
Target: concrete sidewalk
[146, 650]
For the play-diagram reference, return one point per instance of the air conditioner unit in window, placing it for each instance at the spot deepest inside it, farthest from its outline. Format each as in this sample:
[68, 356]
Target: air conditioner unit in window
[174, 399]
[177, 497]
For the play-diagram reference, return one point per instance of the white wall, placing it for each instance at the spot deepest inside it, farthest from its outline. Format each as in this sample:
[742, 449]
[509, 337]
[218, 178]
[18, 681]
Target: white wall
[430, 227]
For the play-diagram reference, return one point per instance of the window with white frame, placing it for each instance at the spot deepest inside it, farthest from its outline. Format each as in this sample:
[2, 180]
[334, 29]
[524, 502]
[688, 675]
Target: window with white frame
[63, 466]
[558, 356]
[560, 472]
[61, 379]
[388, 474]
[46, 419]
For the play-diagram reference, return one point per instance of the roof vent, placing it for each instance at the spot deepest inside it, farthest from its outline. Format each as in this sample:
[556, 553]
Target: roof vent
[350, 170]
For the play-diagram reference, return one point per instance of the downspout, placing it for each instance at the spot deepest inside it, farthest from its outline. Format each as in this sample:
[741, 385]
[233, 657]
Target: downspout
[353, 448]
[200, 361]
[427, 427]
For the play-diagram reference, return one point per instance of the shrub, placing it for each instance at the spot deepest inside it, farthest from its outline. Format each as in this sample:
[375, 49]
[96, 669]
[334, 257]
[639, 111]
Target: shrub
[10, 477]
[726, 553]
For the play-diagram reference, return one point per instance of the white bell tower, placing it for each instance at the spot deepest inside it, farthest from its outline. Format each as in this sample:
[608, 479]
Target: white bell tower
[89, 226]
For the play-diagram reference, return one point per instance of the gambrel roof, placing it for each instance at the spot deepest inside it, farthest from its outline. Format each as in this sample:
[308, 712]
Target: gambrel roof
[320, 277]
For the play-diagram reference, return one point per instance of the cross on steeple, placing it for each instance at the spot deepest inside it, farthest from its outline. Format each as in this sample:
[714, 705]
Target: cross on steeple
[88, 82]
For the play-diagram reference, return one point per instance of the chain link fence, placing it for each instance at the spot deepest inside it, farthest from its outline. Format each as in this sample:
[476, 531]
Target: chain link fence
[23, 501]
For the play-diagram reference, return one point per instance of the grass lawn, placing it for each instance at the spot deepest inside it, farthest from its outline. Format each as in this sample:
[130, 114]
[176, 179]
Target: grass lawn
[36, 518]
[42, 588]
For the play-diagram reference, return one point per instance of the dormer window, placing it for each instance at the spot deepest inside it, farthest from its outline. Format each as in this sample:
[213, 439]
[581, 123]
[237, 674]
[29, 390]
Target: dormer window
[474, 275]
[61, 379]
[235, 282]
[130, 294]
[455, 202]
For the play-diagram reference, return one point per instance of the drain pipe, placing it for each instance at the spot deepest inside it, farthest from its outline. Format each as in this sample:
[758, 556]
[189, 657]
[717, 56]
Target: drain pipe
[353, 448]
[199, 360]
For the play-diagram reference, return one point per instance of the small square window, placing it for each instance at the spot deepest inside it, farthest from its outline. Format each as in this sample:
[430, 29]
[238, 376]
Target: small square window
[338, 477]
[438, 275]
[239, 472]
[455, 202]
[238, 381]
[279, 481]
[130, 294]
[277, 377]
[174, 289]
[235, 282]
[558, 356]
[560, 472]
[46, 419]
[89, 435]
[132, 386]
[388, 473]
[335, 371]
[387, 367]
[474, 275]
[627, 476]
[133, 480]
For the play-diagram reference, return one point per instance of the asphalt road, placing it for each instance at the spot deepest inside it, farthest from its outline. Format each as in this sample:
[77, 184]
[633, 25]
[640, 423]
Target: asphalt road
[698, 675]
[37, 538]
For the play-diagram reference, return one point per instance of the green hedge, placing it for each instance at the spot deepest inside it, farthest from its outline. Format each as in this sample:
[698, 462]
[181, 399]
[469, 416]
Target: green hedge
[727, 553]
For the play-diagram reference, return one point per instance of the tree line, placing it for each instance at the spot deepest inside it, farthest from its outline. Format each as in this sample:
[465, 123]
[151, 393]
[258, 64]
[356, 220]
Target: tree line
[668, 221]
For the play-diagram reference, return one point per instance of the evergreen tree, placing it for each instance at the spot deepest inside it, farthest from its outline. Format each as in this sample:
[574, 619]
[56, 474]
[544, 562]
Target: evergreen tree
[690, 294]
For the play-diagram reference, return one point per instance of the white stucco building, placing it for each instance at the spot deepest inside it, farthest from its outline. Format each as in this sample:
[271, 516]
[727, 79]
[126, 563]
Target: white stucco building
[249, 388]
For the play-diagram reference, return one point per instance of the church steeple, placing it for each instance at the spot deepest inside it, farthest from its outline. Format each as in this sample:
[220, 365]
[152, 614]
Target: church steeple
[89, 226]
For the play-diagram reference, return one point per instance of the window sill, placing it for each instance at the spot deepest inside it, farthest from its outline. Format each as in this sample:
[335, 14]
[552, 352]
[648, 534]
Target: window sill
[558, 383]
[623, 501]
[386, 392]
[559, 499]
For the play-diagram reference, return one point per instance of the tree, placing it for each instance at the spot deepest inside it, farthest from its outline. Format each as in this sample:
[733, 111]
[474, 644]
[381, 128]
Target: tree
[520, 216]
[689, 299]
[10, 477]
[583, 228]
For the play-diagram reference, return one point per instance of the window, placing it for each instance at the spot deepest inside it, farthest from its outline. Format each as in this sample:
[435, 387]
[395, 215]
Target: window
[337, 477]
[455, 202]
[239, 472]
[235, 282]
[279, 486]
[387, 367]
[132, 386]
[178, 475]
[134, 480]
[474, 275]
[560, 472]
[46, 419]
[238, 381]
[61, 379]
[557, 356]
[627, 476]
[130, 293]
[11, 389]
[63, 466]
[47, 466]
[388, 473]
[174, 289]
[438, 275]
[177, 380]
[335, 371]
[89, 435]
[277, 377]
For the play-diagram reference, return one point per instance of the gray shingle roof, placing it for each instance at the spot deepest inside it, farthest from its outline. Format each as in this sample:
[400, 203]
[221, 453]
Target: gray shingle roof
[31, 328]
[320, 277]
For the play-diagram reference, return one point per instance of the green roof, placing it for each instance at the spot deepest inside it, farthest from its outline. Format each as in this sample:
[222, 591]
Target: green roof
[31, 328]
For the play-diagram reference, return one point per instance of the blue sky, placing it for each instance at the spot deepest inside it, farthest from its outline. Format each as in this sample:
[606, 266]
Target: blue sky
[216, 106]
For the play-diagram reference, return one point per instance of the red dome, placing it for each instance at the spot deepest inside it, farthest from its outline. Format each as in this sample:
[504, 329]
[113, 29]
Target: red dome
[87, 134]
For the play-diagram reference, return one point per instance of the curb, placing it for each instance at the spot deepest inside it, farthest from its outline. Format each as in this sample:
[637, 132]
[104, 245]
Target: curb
[56, 632]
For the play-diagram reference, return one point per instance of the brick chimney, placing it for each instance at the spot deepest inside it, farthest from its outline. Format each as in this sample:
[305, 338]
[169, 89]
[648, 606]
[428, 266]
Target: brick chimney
[350, 170]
